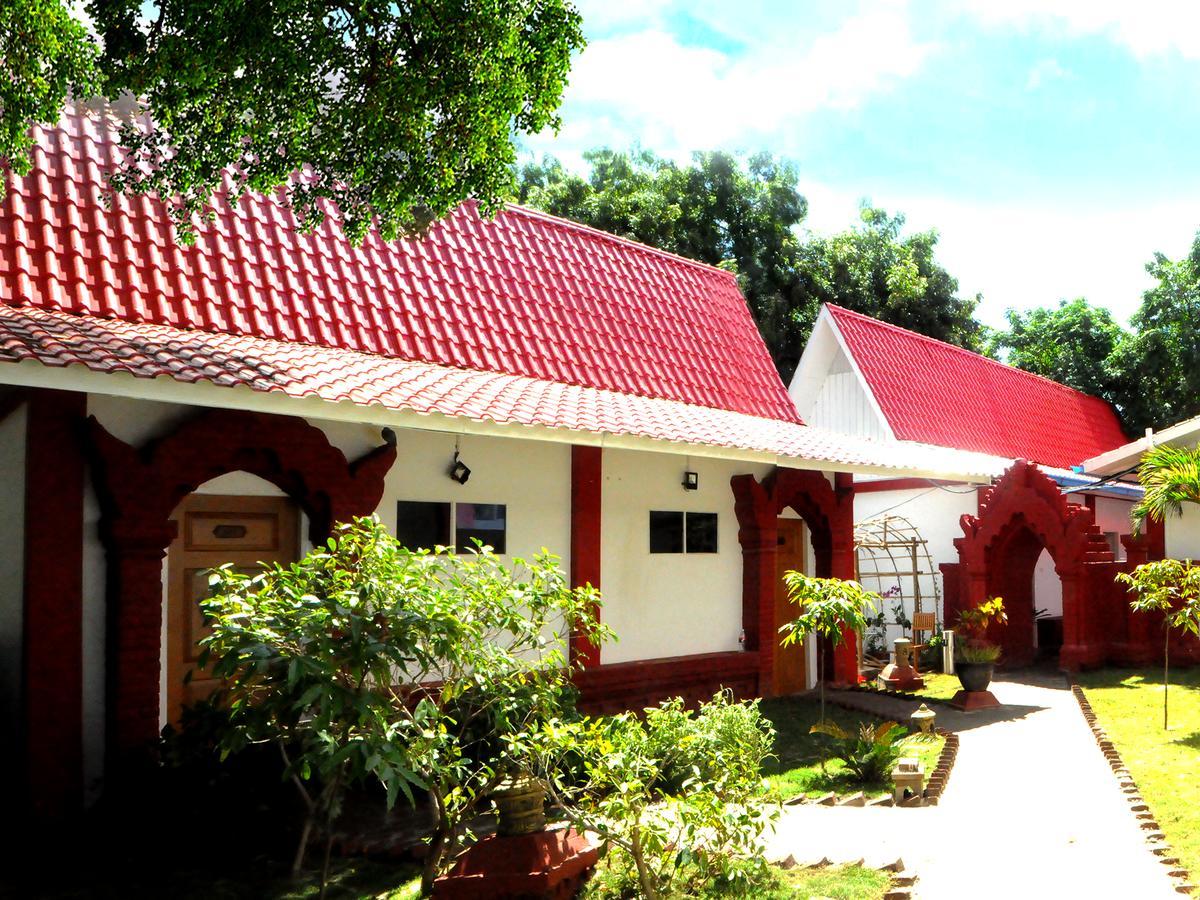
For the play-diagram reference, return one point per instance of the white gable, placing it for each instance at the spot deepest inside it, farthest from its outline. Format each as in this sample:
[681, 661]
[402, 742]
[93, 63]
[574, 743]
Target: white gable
[828, 389]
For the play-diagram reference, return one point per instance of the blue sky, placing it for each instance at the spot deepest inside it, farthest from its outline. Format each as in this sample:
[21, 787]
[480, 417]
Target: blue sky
[1054, 145]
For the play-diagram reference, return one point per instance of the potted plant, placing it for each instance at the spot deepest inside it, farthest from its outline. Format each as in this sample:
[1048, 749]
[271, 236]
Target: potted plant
[975, 654]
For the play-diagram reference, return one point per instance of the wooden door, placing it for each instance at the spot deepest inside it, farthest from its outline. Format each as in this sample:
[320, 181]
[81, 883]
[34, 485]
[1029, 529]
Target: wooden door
[212, 531]
[790, 662]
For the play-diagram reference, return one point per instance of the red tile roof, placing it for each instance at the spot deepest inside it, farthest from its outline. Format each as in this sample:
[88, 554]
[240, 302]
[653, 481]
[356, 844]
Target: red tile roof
[526, 294]
[937, 393]
[105, 346]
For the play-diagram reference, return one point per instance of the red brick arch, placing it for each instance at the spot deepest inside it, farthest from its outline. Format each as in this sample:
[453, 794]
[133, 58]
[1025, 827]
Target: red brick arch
[1022, 514]
[140, 487]
[828, 511]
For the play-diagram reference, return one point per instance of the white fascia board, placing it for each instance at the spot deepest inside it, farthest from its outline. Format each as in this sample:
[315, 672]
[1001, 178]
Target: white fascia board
[29, 373]
[862, 381]
[1186, 433]
[813, 368]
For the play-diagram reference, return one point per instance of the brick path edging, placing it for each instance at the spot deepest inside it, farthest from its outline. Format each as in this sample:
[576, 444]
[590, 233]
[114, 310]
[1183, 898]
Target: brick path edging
[1156, 841]
[936, 784]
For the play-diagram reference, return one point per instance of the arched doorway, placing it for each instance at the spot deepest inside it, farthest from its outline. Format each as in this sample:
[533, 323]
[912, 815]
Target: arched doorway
[1019, 517]
[245, 530]
[827, 510]
[139, 488]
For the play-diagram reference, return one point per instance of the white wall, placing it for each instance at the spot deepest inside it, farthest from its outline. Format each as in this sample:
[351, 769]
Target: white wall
[668, 604]
[1183, 533]
[12, 566]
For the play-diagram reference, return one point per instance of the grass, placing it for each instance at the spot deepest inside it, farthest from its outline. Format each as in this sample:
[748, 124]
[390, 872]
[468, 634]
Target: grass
[847, 882]
[1164, 763]
[798, 767]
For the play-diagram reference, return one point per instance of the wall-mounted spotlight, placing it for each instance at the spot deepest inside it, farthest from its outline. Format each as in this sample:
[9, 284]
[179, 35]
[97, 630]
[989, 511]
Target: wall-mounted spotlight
[691, 481]
[458, 470]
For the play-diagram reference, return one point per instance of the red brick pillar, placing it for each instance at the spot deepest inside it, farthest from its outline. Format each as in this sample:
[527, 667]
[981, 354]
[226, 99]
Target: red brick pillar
[587, 480]
[845, 656]
[135, 566]
[53, 615]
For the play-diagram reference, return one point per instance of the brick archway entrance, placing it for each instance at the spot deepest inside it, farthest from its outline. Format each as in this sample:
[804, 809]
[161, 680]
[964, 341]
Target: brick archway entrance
[139, 489]
[828, 511]
[1021, 515]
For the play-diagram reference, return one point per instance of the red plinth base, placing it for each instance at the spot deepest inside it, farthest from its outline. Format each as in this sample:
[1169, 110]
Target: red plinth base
[968, 701]
[549, 864]
[895, 678]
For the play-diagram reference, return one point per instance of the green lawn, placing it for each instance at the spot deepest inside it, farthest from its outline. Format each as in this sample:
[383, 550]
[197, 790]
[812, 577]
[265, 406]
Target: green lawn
[1164, 764]
[798, 768]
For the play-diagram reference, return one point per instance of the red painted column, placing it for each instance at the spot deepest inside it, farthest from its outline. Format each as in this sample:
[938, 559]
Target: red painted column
[135, 566]
[587, 481]
[53, 617]
[844, 565]
[759, 576]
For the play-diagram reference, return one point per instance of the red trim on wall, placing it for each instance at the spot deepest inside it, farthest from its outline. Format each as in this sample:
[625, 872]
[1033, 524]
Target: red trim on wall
[53, 617]
[10, 402]
[138, 490]
[900, 484]
[587, 486]
[635, 685]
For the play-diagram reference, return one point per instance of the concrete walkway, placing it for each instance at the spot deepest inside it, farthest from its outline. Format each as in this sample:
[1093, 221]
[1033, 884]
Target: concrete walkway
[1031, 810]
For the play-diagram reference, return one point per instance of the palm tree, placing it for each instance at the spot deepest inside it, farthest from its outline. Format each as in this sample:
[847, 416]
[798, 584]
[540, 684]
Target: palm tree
[1170, 477]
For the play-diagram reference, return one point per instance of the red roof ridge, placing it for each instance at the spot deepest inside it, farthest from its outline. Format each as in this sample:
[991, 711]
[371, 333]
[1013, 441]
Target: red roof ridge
[571, 224]
[987, 359]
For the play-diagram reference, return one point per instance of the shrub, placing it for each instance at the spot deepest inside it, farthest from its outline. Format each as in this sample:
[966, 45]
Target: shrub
[422, 671]
[671, 795]
[871, 753]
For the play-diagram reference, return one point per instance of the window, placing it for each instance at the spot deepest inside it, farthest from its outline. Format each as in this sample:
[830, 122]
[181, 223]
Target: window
[701, 532]
[484, 522]
[666, 532]
[676, 532]
[421, 525]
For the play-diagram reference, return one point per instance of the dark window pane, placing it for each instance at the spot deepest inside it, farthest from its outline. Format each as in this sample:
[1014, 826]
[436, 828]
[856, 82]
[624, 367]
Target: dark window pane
[484, 522]
[421, 525]
[701, 532]
[666, 532]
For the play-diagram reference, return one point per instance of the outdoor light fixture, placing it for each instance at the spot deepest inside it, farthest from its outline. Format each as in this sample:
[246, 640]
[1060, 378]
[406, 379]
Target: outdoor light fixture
[459, 471]
[691, 481]
[924, 718]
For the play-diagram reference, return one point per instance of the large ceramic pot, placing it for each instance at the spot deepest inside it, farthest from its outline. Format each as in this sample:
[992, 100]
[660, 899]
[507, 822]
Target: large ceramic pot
[974, 676]
[521, 804]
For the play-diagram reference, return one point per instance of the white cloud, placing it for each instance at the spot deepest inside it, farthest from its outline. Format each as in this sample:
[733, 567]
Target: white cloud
[1043, 72]
[1146, 27]
[1023, 255]
[677, 98]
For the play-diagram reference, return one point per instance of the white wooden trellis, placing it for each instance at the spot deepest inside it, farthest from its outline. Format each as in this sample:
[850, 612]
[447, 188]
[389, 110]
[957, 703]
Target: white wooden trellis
[892, 559]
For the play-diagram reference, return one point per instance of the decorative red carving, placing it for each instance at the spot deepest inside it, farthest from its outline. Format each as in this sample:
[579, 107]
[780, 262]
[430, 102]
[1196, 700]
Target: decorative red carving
[1024, 512]
[138, 490]
[828, 511]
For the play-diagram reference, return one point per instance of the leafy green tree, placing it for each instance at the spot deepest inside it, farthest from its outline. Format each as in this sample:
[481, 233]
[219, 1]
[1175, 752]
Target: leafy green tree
[722, 210]
[395, 111]
[829, 608]
[1170, 588]
[1072, 344]
[1160, 364]
[420, 671]
[876, 270]
[44, 53]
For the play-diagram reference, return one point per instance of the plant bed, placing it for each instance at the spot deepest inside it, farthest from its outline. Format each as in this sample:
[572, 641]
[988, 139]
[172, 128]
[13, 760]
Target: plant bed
[939, 688]
[797, 770]
[844, 882]
[1154, 767]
